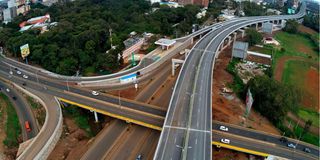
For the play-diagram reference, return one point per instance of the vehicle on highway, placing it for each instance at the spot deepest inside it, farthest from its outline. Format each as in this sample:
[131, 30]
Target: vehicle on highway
[226, 141]
[95, 93]
[224, 128]
[14, 98]
[283, 139]
[307, 150]
[24, 84]
[26, 124]
[11, 72]
[291, 145]
[139, 157]
[19, 72]
[8, 90]
[25, 76]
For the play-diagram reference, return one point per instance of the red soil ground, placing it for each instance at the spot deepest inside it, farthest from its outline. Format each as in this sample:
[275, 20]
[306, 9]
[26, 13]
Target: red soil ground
[311, 85]
[232, 111]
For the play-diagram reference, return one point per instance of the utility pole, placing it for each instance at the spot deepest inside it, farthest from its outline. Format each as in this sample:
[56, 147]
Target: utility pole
[110, 34]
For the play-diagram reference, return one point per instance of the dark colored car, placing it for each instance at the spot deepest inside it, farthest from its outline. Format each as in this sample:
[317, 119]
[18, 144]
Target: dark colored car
[283, 139]
[307, 150]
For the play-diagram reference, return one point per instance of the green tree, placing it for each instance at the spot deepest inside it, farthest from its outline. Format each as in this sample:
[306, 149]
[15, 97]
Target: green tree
[253, 36]
[291, 26]
[273, 99]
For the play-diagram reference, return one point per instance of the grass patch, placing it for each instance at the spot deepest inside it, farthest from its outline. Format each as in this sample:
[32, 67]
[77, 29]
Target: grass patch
[308, 137]
[292, 42]
[295, 72]
[12, 128]
[80, 119]
[237, 86]
[308, 114]
[264, 49]
[33, 104]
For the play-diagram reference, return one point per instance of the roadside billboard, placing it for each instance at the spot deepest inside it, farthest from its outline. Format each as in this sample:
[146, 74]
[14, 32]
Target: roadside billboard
[24, 50]
[128, 78]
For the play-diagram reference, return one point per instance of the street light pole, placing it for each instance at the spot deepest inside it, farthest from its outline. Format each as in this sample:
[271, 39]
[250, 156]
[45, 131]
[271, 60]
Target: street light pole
[68, 84]
[119, 100]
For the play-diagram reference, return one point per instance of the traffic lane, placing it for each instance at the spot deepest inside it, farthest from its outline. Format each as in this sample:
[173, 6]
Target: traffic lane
[102, 107]
[105, 140]
[199, 145]
[172, 149]
[262, 137]
[44, 82]
[53, 114]
[261, 147]
[23, 111]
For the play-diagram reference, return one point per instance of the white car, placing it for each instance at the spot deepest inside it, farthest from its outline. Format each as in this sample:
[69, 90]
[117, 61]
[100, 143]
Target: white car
[8, 90]
[19, 72]
[224, 128]
[11, 72]
[226, 141]
[25, 76]
[95, 93]
[290, 145]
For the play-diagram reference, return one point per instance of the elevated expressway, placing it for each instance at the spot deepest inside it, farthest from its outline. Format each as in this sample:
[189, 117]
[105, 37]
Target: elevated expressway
[186, 132]
[146, 115]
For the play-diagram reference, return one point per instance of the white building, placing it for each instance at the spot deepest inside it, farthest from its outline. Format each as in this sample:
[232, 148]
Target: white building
[154, 1]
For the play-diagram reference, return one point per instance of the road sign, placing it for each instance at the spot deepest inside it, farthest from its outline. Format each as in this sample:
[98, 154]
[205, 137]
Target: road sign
[249, 101]
[128, 78]
[24, 51]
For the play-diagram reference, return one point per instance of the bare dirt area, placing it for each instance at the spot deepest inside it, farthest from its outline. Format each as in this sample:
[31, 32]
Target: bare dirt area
[72, 144]
[305, 29]
[311, 85]
[228, 107]
[129, 93]
[226, 154]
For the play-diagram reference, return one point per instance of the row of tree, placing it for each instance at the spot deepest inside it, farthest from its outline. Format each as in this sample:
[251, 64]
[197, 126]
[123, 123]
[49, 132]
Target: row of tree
[81, 39]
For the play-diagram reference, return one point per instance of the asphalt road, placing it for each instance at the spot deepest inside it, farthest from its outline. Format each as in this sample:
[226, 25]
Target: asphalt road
[272, 149]
[267, 138]
[104, 140]
[130, 109]
[23, 111]
[177, 123]
[191, 101]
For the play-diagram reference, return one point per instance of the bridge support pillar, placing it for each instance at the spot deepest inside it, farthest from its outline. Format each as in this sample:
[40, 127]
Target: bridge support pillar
[192, 40]
[229, 40]
[200, 36]
[175, 64]
[234, 36]
[95, 116]
[257, 25]
[242, 32]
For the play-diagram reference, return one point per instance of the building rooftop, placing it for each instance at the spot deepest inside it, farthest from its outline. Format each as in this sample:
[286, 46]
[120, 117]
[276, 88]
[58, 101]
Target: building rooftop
[165, 42]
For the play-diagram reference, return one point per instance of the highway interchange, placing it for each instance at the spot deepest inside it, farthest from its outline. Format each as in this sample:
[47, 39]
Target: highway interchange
[187, 129]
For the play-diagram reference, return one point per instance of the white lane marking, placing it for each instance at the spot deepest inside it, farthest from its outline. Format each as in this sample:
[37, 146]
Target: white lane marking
[191, 129]
[197, 141]
[175, 140]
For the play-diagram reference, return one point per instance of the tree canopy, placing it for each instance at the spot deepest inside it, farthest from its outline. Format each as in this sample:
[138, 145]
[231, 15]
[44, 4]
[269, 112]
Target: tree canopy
[253, 36]
[273, 99]
[291, 26]
[81, 38]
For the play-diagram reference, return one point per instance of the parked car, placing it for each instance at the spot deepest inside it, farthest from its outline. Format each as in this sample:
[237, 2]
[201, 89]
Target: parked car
[19, 72]
[10, 72]
[291, 145]
[226, 141]
[224, 128]
[8, 90]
